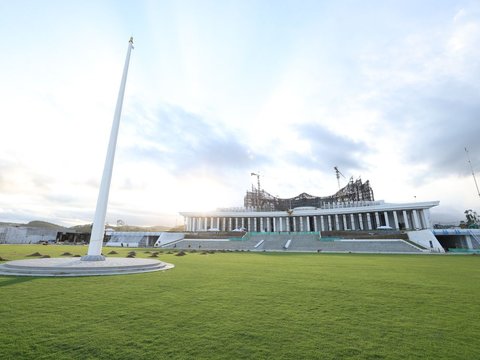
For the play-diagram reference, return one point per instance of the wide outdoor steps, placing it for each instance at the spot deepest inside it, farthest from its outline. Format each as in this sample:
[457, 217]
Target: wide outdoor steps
[362, 242]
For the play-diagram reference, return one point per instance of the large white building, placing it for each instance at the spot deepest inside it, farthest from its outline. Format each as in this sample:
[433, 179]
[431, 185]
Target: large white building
[351, 208]
[364, 215]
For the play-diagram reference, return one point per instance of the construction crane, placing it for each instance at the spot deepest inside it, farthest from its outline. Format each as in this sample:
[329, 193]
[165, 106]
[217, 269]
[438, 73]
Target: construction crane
[473, 173]
[257, 192]
[258, 180]
[338, 173]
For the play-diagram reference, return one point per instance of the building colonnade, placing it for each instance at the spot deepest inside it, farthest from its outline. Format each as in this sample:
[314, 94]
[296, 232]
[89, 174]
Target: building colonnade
[402, 219]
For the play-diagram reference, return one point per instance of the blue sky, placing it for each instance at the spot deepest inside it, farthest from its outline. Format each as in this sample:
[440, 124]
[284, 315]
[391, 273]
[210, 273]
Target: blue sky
[386, 90]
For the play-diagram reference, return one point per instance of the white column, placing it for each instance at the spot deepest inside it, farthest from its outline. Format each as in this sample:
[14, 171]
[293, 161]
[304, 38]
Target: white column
[322, 223]
[387, 222]
[268, 224]
[352, 220]
[308, 223]
[301, 223]
[261, 225]
[329, 218]
[337, 222]
[424, 213]
[369, 221]
[360, 221]
[315, 224]
[416, 224]
[249, 224]
[405, 218]
[395, 220]
[274, 224]
[280, 223]
[345, 225]
[377, 219]
[255, 224]
[229, 224]
[243, 222]
[294, 224]
[98, 230]
[236, 223]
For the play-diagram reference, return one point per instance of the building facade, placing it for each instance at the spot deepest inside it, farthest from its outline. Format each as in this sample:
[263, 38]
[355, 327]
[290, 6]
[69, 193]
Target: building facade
[342, 216]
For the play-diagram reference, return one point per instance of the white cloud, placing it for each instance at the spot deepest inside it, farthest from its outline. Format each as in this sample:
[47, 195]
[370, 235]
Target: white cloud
[387, 93]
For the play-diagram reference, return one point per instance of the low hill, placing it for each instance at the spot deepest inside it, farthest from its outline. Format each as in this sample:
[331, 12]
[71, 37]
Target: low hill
[128, 228]
[44, 224]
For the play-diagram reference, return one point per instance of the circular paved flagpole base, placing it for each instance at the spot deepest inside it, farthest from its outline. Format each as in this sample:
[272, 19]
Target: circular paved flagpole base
[93, 258]
[78, 267]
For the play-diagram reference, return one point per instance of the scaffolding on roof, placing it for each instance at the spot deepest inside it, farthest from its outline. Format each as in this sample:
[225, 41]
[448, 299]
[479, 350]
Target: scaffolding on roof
[356, 190]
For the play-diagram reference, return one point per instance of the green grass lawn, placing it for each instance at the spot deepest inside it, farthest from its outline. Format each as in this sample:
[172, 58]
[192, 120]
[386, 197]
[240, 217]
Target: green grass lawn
[248, 306]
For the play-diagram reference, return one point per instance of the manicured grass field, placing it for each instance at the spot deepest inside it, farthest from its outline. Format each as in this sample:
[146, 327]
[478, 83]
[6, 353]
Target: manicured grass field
[248, 306]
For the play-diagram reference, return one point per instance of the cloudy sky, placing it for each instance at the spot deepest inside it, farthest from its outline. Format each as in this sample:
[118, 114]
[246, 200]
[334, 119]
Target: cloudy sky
[386, 90]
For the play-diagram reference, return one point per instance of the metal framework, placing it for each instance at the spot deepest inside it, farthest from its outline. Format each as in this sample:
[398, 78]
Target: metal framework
[260, 200]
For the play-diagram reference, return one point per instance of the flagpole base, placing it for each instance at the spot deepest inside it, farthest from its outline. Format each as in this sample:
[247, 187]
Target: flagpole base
[93, 258]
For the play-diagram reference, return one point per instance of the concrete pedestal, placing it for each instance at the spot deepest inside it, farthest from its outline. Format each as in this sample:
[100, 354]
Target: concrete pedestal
[78, 267]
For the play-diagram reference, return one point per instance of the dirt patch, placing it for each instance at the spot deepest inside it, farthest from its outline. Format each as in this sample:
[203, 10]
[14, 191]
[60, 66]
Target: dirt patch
[113, 252]
[35, 254]
[154, 255]
[2, 259]
[45, 256]
[130, 256]
[132, 253]
[181, 253]
[66, 254]
[77, 255]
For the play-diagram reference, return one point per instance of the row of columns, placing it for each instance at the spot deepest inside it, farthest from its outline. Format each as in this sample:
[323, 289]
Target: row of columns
[403, 219]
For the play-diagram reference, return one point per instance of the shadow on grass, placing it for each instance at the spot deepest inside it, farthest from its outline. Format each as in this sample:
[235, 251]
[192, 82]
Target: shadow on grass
[15, 280]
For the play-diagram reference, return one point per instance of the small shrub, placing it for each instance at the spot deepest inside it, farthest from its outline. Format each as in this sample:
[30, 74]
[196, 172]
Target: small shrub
[35, 254]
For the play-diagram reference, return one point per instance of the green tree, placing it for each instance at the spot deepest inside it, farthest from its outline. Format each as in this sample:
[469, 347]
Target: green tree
[472, 218]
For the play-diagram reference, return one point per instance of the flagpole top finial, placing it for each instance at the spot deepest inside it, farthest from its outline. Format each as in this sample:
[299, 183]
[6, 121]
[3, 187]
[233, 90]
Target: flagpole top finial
[131, 40]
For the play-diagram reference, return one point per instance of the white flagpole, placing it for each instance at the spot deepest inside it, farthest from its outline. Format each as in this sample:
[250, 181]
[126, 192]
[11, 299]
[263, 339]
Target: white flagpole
[98, 229]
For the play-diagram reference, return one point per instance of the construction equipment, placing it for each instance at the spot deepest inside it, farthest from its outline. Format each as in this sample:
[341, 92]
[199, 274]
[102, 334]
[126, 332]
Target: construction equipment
[338, 173]
[473, 173]
[258, 180]
[352, 192]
